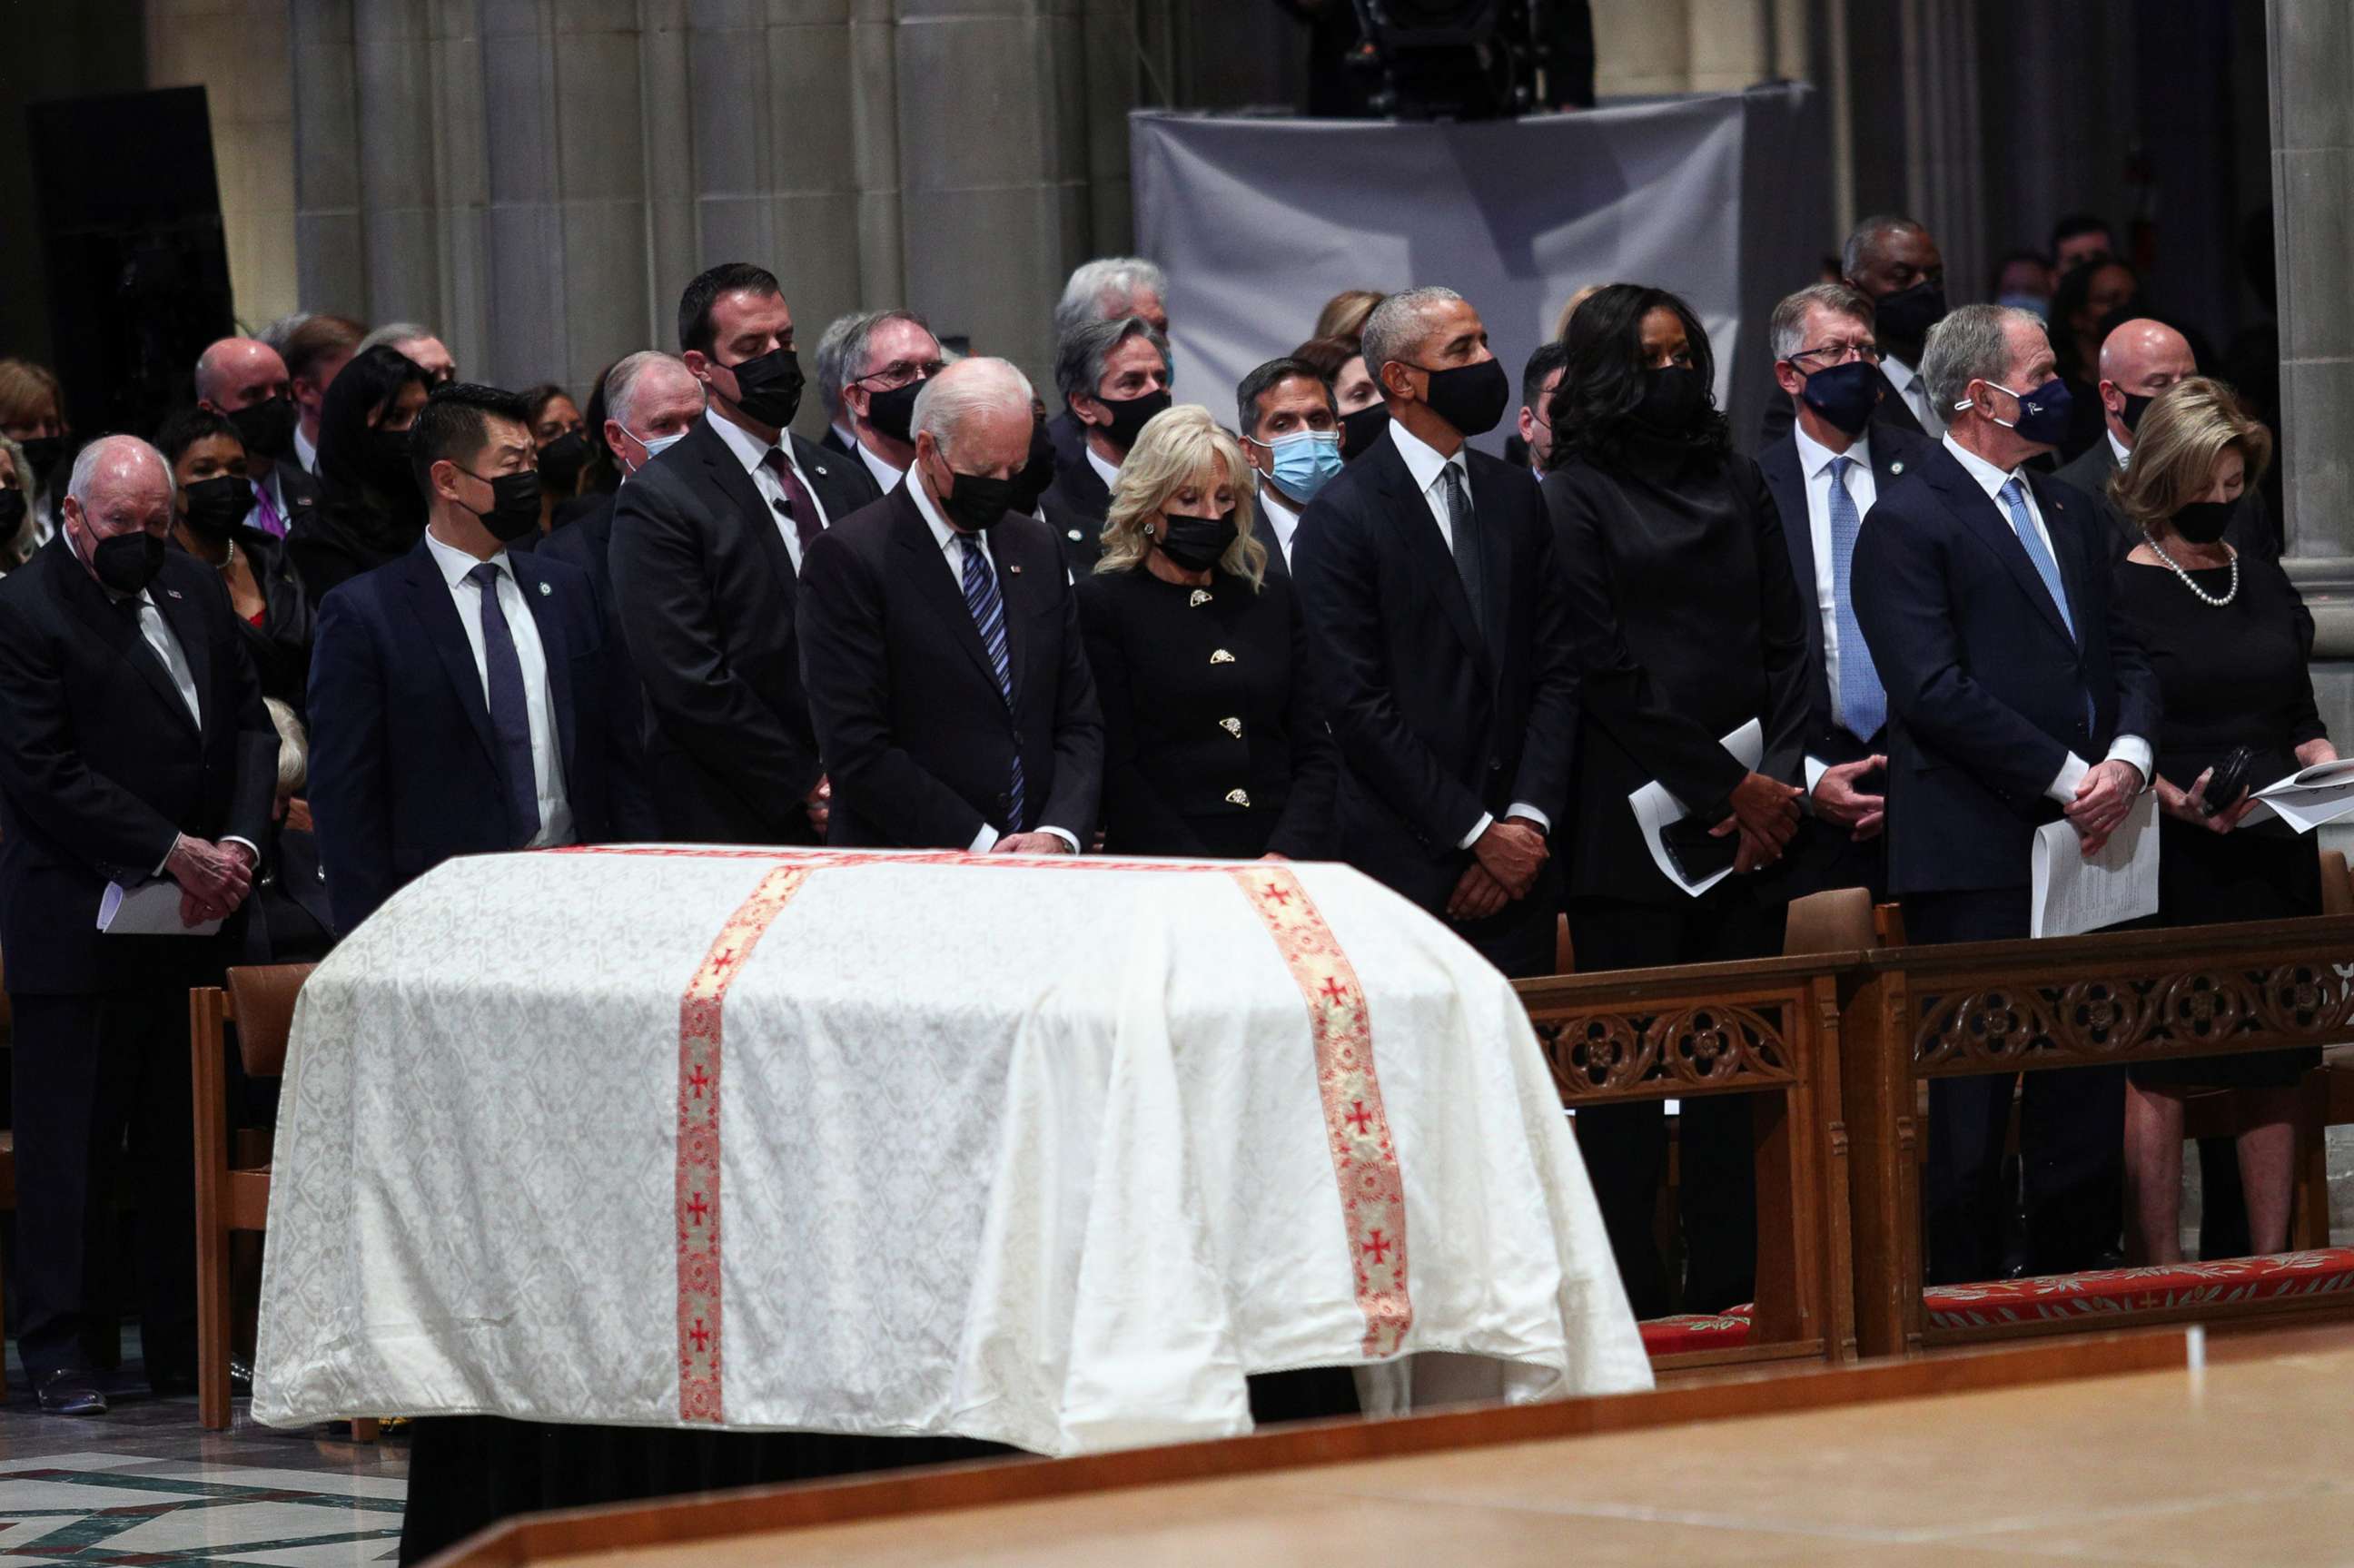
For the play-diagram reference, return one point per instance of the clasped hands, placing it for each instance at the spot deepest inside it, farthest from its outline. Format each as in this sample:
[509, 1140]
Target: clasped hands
[2102, 801]
[214, 878]
[1766, 815]
[1505, 863]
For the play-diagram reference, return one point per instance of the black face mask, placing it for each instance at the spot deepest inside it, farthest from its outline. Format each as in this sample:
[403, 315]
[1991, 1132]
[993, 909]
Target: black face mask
[2203, 522]
[41, 454]
[1674, 397]
[266, 427]
[216, 505]
[561, 459]
[1907, 315]
[1360, 429]
[383, 462]
[976, 504]
[893, 413]
[768, 388]
[1471, 398]
[12, 513]
[1129, 416]
[1196, 544]
[127, 563]
[2136, 404]
[1037, 473]
[514, 504]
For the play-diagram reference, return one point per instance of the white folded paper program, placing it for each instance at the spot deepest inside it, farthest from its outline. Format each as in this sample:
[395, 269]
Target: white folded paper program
[148, 910]
[1046, 1152]
[1656, 811]
[2307, 798]
[2073, 894]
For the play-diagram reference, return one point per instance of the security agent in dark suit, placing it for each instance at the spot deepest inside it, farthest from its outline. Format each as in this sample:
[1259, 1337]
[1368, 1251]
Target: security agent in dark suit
[1988, 622]
[1893, 262]
[1824, 477]
[706, 554]
[459, 696]
[244, 381]
[941, 646]
[133, 745]
[1291, 438]
[1439, 643]
[1114, 376]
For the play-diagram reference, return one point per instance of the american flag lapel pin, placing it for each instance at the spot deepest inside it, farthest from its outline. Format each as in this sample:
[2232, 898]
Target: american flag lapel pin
[1015, 568]
[170, 593]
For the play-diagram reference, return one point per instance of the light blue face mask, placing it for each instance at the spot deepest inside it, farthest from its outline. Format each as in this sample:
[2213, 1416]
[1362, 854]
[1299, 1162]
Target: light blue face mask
[656, 447]
[1304, 462]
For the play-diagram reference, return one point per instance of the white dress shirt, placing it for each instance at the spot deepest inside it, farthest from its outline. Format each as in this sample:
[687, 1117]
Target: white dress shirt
[2127, 748]
[885, 474]
[1815, 462]
[953, 547]
[539, 703]
[1915, 393]
[157, 631]
[1108, 472]
[304, 452]
[1281, 520]
[1426, 463]
[2119, 450]
[748, 451]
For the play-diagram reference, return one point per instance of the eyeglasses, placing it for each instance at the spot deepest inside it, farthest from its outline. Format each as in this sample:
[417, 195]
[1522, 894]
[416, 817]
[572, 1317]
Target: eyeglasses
[899, 372]
[1839, 354]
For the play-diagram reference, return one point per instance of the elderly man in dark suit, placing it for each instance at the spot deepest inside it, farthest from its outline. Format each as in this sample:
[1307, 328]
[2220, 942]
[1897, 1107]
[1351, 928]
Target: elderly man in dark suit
[708, 542]
[1893, 262]
[1824, 476]
[1439, 641]
[459, 696]
[940, 641]
[2016, 699]
[244, 381]
[133, 747]
[1114, 376]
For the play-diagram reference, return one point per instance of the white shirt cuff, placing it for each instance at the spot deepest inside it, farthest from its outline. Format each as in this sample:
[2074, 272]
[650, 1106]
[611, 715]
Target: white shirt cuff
[2134, 750]
[1065, 834]
[250, 847]
[1522, 809]
[2071, 775]
[168, 855]
[982, 840]
[1486, 821]
[1816, 768]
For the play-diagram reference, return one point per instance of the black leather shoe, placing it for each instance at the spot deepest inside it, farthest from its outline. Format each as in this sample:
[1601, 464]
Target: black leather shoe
[69, 1391]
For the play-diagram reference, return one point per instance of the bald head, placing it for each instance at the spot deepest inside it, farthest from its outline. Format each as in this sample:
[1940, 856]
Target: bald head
[238, 372]
[2140, 359]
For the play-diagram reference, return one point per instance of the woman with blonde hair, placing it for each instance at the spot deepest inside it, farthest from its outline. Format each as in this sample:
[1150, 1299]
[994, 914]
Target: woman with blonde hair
[1199, 660]
[2222, 630]
[1344, 313]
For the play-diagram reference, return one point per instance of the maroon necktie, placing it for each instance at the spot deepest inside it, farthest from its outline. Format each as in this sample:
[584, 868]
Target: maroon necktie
[796, 505]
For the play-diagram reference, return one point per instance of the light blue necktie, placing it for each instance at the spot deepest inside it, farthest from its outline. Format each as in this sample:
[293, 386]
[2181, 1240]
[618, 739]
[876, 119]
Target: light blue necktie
[2014, 497]
[1863, 700]
[981, 597]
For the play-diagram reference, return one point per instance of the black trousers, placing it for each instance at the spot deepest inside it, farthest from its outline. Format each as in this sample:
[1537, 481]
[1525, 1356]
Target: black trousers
[88, 1070]
[1626, 1147]
[2072, 1128]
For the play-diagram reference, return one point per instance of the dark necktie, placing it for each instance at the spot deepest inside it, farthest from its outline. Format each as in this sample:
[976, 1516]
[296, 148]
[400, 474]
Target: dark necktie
[798, 506]
[510, 712]
[989, 618]
[1470, 563]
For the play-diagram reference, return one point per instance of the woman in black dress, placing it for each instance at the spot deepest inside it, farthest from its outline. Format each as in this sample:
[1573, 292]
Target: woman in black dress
[211, 499]
[370, 510]
[1687, 625]
[1210, 747]
[2222, 629]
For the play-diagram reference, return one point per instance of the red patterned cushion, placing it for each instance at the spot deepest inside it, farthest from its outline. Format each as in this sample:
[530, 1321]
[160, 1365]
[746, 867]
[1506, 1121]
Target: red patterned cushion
[1695, 1331]
[2122, 1291]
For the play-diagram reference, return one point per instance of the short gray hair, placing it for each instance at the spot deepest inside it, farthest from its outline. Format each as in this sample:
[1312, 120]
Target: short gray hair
[1864, 239]
[621, 382]
[1972, 344]
[1787, 328]
[392, 334]
[1104, 286]
[105, 450]
[861, 333]
[1397, 325]
[965, 388]
[1082, 352]
[278, 333]
[830, 358]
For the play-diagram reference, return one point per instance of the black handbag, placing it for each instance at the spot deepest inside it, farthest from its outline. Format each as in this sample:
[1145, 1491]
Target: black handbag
[2231, 777]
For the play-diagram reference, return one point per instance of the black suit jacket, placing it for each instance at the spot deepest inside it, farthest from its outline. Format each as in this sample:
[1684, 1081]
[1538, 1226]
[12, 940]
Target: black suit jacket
[705, 591]
[1987, 687]
[405, 769]
[585, 542]
[2251, 528]
[1435, 720]
[1075, 507]
[918, 737]
[101, 768]
[297, 488]
[1891, 412]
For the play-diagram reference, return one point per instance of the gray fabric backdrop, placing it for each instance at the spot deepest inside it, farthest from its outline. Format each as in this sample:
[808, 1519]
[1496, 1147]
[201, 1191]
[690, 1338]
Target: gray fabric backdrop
[1259, 220]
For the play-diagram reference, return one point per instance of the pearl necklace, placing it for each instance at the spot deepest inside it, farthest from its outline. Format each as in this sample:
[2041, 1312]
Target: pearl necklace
[2193, 583]
[229, 560]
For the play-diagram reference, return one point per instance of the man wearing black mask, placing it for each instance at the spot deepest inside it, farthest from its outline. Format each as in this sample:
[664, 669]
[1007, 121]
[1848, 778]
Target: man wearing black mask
[243, 380]
[1114, 376]
[1439, 641]
[887, 356]
[459, 695]
[1893, 262]
[947, 675]
[134, 749]
[1824, 476]
[709, 542]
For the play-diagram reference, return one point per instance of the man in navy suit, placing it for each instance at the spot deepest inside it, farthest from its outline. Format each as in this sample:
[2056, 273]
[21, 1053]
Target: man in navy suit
[1439, 641]
[2016, 699]
[1824, 476]
[459, 695]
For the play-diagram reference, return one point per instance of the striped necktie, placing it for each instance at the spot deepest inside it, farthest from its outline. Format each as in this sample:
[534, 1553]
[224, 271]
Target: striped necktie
[988, 611]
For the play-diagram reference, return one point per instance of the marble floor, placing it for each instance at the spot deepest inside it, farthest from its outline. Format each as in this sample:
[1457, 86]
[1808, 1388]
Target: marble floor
[145, 1485]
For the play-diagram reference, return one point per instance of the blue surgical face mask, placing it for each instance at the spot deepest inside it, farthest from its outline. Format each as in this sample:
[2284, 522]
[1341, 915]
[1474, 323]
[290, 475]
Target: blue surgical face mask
[657, 446]
[2043, 412]
[1304, 462]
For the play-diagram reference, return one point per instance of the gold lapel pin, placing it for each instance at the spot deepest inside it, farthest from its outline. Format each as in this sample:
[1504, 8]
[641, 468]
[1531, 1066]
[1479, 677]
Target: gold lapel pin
[1221, 657]
[1199, 598]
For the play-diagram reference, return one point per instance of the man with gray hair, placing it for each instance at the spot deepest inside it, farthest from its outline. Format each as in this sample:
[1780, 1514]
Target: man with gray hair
[1114, 376]
[2016, 699]
[244, 381]
[418, 345]
[886, 358]
[828, 361]
[1439, 644]
[1108, 289]
[134, 751]
[1894, 263]
[941, 645]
